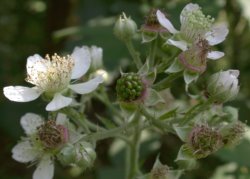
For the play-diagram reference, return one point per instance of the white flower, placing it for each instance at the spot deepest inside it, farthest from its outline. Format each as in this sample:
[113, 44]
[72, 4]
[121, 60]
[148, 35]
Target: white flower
[223, 86]
[195, 26]
[52, 76]
[42, 141]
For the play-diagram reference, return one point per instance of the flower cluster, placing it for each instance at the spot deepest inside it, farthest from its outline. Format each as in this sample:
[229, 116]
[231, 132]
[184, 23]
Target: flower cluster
[144, 95]
[45, 141]
[52, 77]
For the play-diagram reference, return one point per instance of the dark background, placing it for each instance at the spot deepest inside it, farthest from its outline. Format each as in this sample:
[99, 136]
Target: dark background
[36, 26]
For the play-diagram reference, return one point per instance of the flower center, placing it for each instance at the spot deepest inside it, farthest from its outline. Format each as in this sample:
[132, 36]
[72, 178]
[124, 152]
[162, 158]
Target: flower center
[195, 58]
[195, 24]
[204, 140]
[52, 135]
[51, 74]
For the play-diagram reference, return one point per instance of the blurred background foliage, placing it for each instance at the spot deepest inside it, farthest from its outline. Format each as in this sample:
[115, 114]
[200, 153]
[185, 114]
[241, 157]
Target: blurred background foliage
[49, 26]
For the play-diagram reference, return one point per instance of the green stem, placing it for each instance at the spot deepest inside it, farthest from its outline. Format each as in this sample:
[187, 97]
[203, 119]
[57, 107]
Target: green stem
[135, 55]
[105, 100]
[167, 82]
[109, 133]
[196, 109]
[152, 52]
[81, 120]
[157, 123]
[134, 150]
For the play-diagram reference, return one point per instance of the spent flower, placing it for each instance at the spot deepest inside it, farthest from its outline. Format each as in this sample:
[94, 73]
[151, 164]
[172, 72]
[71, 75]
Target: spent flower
[204, 140]
[53, 76]
[152, 28]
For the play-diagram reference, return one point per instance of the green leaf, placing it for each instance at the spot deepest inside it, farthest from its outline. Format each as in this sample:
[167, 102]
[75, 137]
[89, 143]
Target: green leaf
[168, 114]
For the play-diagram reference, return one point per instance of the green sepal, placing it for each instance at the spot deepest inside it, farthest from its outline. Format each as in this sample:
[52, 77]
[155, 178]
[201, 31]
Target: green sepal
[185, 158]
[175, 67]
[153, 98]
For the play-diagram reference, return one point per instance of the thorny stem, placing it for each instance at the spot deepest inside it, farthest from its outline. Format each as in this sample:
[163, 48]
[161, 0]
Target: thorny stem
[135, 55]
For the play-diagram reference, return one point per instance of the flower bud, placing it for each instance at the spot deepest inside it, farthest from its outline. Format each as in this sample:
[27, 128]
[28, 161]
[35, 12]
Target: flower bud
[125, 28]
[67, 155]
[85, 155]
[129, 87]
[223, 86]
[151, 28]
[233, 134]
[204, 140]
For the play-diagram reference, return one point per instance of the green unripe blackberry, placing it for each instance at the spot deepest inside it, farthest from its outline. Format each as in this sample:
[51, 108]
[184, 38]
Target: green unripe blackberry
[129, 87]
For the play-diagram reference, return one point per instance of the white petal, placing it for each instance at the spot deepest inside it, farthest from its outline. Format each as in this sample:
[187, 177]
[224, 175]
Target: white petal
[23, 152]
[45, 168]
[21, 93]
[58, 102]
[81, 57]
[165, 22]
[188, 8]
[96, 56]
[36, 64]
[87, 87]
[217, 35]
[214, 55]
[30, 122]
[61, 119]
[179, 44]
[235, 73]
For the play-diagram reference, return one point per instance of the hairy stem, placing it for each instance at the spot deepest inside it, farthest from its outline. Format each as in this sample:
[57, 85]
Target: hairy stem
[134, 149]
[135, 55]
[152, 52]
